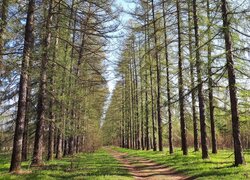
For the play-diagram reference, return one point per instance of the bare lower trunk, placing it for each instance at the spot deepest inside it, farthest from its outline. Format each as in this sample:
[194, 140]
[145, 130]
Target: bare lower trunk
[71, 145]
[51, 141]
[152, 109]
[142, 108]
[65, 147]
[59, 149]
[147, 115]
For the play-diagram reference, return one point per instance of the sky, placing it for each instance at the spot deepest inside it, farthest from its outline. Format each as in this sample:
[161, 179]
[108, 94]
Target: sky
[113, 56]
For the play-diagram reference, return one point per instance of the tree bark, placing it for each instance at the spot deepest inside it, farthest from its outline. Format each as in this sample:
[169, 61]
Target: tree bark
[158, 78]
[238, 152]
[22, 101]
[142, 106]
[3, 23]
[59, 145]
[200, 87]
[170, 133]
[180, 83]
[146, 114]
[65, 147]
[210, 83]
[193, 89]
[137, 125]
[38, 144]
[25, 143]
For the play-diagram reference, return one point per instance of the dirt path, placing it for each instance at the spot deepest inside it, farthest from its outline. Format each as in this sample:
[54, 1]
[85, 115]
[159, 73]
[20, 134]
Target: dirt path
[141, 168]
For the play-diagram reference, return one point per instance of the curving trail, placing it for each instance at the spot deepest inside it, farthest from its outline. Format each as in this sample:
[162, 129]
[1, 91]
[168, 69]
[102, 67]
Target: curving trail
[141, 168]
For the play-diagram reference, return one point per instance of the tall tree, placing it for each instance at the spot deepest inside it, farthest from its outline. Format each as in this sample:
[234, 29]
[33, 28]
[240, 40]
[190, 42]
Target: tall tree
[170, 128]
[158, 79]
[210, 81]
[192, 85]
[38, 144]
[238, 152]
[200, 85]
[22, 101]
[180, 82]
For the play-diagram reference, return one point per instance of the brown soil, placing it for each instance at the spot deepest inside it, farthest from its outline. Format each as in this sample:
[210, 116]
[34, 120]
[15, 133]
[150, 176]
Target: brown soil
[141, 168]
[21, 172]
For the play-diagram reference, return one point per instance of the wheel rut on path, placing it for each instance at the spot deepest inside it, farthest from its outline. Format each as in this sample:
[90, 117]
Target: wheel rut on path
[141, 168]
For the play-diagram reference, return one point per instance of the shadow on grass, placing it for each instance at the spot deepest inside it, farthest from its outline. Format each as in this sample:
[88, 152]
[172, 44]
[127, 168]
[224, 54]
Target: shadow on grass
[82, 166]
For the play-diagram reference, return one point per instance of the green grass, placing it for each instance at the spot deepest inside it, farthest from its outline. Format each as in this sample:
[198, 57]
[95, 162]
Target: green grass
[219, 166]
[90, 166]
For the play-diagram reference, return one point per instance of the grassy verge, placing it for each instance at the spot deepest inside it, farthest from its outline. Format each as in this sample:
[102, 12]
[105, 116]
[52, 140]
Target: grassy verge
[219, 166]
[99, 165]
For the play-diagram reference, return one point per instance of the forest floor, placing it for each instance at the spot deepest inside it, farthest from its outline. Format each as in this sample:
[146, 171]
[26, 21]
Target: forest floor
[113, 163]
[99, 165]
[141, 168]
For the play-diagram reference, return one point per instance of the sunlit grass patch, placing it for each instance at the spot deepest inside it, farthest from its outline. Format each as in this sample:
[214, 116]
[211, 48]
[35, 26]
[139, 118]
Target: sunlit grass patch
[99, 165]
[218, 166]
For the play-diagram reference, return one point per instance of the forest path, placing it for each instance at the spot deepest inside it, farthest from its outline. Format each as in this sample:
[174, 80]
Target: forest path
[141, 168]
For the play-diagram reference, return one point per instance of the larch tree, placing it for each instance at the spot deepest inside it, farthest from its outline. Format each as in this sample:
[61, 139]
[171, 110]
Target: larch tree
[238, 152]
[37, 159]
[203, 131]
[16, 158]
[180, 82]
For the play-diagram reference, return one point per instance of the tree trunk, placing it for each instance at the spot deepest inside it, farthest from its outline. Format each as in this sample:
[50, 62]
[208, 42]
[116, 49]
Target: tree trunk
[137, 125]
[170, 133]
[193, 89]
[38, 144]
[22, 103]
[51, 138]
[55, 138]
[146, 47]
[27, 117]
[152, 108]
[238, 152]
[65, 147]
[59, 145]
[3, 23]
[200, 87]
[158, 78]
[180, 83]
[123, 114]
[71, 145]
[210, 82]
[132, 129]
[147, 114]
[142, 107]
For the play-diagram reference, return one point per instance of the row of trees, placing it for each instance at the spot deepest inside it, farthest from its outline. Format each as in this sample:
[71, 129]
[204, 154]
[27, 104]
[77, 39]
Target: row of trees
[179, 64]
[61, 91]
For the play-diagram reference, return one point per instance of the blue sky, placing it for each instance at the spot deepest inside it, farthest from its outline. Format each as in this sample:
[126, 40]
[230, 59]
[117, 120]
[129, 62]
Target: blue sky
[113, 56]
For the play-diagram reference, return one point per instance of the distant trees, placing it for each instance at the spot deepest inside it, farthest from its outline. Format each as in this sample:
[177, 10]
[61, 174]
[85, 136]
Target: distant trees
[61, 102]
[183, 42]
